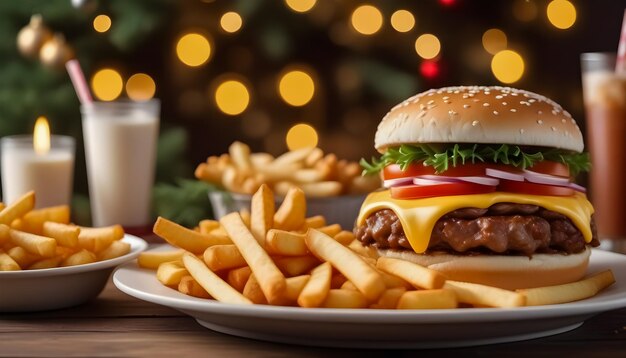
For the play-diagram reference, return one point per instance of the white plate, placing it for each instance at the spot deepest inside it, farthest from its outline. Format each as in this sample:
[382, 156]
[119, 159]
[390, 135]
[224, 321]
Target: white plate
[60, 287]
[382, 328]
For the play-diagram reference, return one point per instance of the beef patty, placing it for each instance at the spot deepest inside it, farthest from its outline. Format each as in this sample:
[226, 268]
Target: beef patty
[503, 228]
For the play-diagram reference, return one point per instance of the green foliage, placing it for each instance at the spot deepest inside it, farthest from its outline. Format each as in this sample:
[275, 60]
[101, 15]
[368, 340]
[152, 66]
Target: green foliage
[185, 203]
[460, 154]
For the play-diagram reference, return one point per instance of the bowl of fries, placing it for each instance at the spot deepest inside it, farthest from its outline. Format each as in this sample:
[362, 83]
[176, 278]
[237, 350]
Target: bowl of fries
[48, 263]
[333, 187]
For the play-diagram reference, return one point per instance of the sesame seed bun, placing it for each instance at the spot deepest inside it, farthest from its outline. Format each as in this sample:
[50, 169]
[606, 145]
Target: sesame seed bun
[508, 272]
[479, 114]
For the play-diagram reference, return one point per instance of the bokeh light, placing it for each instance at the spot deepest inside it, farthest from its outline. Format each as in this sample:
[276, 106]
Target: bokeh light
[231, 22]
[429, 69]
[300, 136]
[402, 21]
[524, 10]
[507, 66]
[193, 49]
[107, 84]
[427, 46]
[140, 87]
[232, 97]
[562, 14]
[367, 19]
[300, 5]
[102, 23]
[494, 41]
[296, 88]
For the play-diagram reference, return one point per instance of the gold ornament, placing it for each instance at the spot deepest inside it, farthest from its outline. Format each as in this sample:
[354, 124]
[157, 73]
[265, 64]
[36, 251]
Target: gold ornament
[33, 36]
[55, 52]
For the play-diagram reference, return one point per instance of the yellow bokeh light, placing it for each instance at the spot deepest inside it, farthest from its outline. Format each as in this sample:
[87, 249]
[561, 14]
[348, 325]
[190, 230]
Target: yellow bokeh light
[102, 23]
[507, 66]
[140, 87]
[41, 136]
[494, 41]
[427, 46]
[232, 97]
[402, 21]
[107, 84]
[296, 88]
[231, 22]
[367, 19]
[301, 136]
[193, 49]
[562, 14]
[300, 5]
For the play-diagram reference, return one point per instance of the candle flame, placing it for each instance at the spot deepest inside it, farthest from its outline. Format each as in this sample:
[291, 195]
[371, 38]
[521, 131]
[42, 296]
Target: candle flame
[41, 136]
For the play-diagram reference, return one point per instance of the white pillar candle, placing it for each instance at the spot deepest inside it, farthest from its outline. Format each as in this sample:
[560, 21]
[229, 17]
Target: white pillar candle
[49, 173]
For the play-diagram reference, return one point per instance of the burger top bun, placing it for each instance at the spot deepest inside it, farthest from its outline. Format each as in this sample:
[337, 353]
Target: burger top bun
[504, 271]
[473, 114]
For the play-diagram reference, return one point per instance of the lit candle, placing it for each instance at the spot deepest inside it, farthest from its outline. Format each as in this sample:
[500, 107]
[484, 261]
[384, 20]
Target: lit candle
[41, 162]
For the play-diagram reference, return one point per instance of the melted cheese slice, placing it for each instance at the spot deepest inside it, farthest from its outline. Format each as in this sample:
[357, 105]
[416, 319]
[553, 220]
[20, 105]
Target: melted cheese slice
[418, 216]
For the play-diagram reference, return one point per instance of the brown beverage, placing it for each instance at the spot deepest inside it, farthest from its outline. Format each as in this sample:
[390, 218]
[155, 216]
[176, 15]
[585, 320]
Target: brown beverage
[605, 106]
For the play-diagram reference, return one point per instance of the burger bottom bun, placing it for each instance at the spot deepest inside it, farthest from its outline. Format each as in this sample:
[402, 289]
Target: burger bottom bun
[508, 272]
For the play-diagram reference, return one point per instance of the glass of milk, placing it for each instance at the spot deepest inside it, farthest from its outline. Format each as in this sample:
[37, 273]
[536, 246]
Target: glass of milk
[120, 149]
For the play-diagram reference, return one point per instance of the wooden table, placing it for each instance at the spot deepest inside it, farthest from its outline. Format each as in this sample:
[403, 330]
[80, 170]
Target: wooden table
[117, 325]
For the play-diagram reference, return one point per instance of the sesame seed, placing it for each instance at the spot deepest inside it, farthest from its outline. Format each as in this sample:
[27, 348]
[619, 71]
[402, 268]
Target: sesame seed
[553, 128]
[422, 106]
[521, 131]
[432, 106]
[475, 123]
[573, 121]
[554, 112]
[499, 97]
[532, 100]
[504, 103]
[496, 113]
[466, 106]
[457, 92]
[446, 97]
[513, 94]
[563, 120]
[539, 121]
[422, 114]
[447, 102]
[476, 100]
[452, 113]
[431, 101]
[513, 110]
[485, 104]
[431, 93]
[539, 112]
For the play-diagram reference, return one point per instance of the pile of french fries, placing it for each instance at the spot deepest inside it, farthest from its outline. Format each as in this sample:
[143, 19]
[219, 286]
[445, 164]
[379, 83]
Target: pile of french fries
[281, 257]
[316, 173]
[44, 238]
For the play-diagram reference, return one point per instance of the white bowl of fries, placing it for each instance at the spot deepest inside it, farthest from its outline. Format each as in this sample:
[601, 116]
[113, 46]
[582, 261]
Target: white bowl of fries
[334, 187]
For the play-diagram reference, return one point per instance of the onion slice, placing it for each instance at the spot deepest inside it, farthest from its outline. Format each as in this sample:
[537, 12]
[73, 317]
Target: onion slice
[426, 182]
[577, 187]
[540, 178]
[470, 179]
[397, 182]
[502, 174]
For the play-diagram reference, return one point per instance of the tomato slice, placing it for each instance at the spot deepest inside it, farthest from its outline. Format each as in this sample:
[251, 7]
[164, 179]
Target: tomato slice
[534, 188]
[393, 171]
[428, 191]
[551, 168]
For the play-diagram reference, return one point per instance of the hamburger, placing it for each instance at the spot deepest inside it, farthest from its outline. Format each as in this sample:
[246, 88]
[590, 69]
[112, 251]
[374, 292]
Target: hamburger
[479, 185]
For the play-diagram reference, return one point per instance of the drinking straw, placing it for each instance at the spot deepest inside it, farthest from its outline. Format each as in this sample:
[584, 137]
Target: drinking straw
[79, 82]
[620, 64]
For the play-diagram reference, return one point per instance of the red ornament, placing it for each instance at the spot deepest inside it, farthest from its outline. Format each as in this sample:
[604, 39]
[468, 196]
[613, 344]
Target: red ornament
[430, 69]
[447, 2]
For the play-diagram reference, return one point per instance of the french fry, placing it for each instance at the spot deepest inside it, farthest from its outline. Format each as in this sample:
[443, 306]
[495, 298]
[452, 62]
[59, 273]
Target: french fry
[568, 292]
[5, 235]
[482, 295]
[65, 252]
[261, 159]
[366, 251]
[278, 173]
[418, 276]
[365, 278]
[212, 283]
[294, 156]
[245, 216]
[206, 226]
[349, 286]
[292, 212]
[286, 243]
[190, 287]
[315, 222]
[238, 278]
[7, 263]
[2, 206]
[35, 244]
[428, 299]
[46, 263]
[321, 189]
[344, 237]
[271, 280]
[79, 258]
[223, 257]
[33, 221]
[295, 286]
[344, 299]
[152, 259]
[262, 216]
[308, 175]
[330, 230]
[294, 266]
[186, 239]
[18, 208]
[22, 257]
[208, 173]
[252, 290]
[170, 273]
[389, 299]
[240, 155]
[65, 235]
[316, 289]
[116, 249]
[314, 156]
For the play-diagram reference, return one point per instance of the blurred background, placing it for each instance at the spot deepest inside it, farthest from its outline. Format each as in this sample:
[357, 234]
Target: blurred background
[280, 73]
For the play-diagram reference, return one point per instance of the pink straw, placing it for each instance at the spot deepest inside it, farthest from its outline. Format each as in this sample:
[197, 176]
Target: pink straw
[620, 64]
[79, 82]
